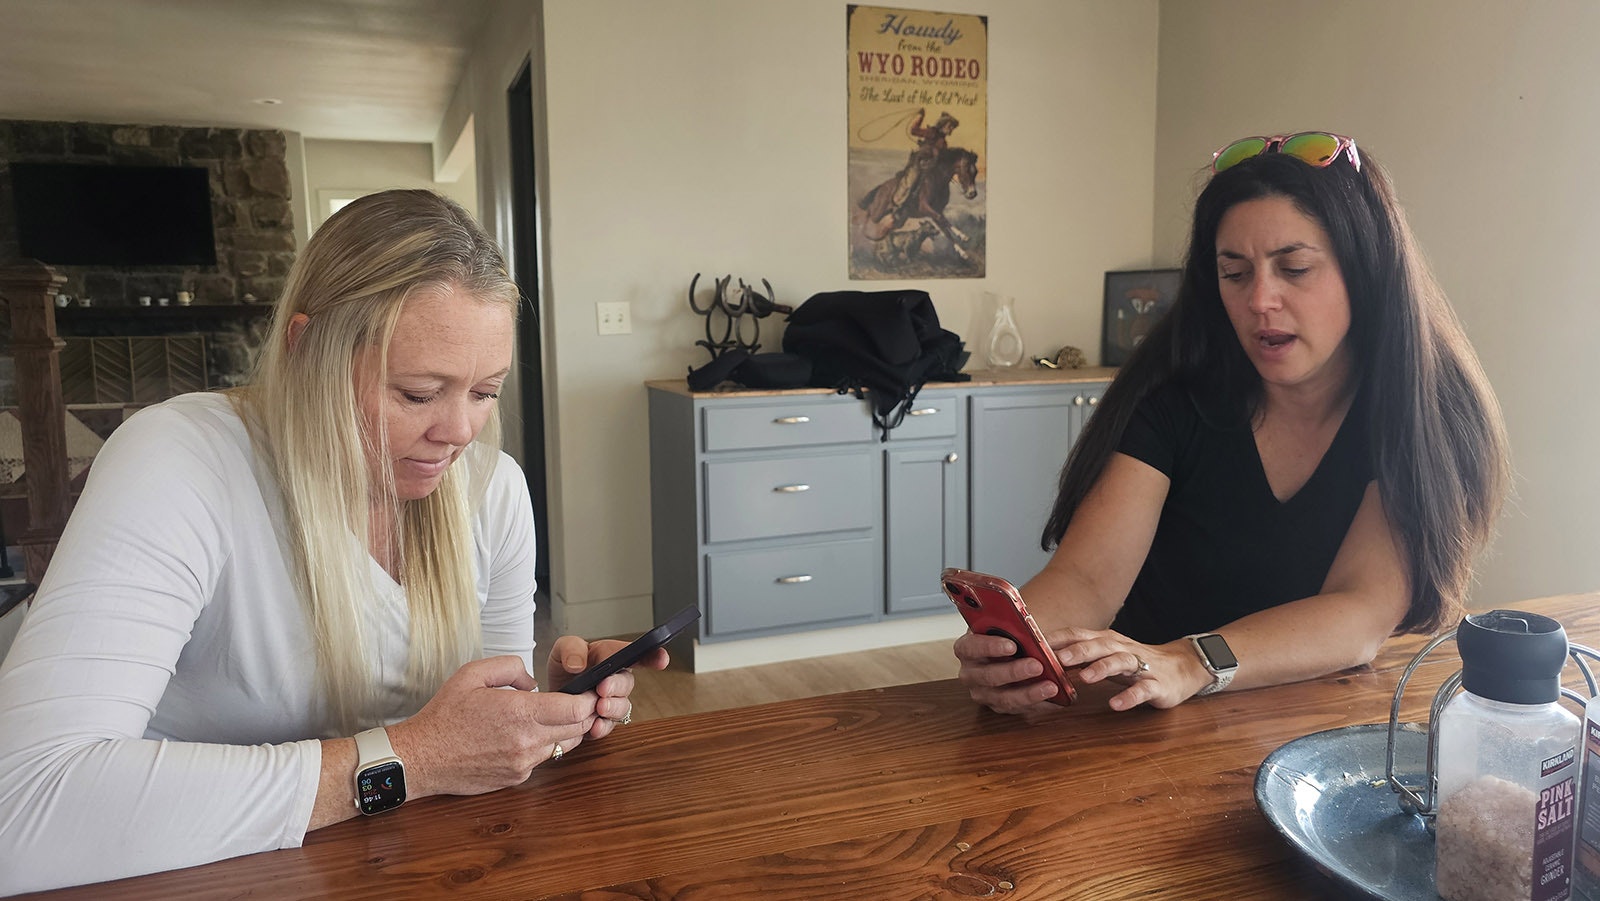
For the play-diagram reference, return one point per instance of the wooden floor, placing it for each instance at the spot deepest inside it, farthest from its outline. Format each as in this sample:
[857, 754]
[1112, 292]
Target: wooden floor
[675, 691]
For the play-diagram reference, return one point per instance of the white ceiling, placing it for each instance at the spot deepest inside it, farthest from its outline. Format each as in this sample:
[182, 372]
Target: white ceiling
[380, 70]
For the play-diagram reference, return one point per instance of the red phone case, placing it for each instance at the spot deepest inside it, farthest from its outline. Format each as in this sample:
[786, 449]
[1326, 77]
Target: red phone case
[992, 606]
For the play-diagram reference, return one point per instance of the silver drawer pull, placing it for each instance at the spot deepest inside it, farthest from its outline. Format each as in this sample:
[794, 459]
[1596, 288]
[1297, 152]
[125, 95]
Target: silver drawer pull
[953, 457]
[1093, 400]
[793, 580]
[792, 420]
[925, 411]
[1077, 401]
[792, 489]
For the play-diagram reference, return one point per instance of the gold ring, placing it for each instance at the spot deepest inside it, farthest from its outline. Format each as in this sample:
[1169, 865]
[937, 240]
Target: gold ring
[556, 752]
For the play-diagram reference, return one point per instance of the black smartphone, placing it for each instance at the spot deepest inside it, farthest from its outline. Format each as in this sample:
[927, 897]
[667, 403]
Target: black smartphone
[628, 656]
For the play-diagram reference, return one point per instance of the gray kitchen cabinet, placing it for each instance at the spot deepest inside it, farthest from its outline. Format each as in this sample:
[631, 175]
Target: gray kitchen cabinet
[1020, 439]
[782, 511]
[766, 510]
[925, 502]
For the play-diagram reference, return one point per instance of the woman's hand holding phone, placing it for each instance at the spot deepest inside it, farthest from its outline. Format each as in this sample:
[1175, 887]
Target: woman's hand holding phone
[605, 667]
[1003, 646]
[473, 737]
[570, 656]
[1161, 676]
[1010, 666]
[1000, 680]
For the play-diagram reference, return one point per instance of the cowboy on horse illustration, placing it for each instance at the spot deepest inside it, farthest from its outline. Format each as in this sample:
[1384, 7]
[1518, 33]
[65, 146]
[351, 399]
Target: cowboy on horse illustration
[929, 142]
[922, 189]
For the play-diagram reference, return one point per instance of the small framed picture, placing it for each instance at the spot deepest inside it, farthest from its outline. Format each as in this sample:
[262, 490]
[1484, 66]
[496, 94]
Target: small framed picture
[1135, 300]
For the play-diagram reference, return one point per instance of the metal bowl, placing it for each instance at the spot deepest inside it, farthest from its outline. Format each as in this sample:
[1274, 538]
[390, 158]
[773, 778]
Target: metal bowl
[1328, 795]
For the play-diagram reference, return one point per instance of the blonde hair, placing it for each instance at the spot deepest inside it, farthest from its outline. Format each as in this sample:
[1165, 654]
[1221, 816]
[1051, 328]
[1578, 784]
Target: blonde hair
[352, 281]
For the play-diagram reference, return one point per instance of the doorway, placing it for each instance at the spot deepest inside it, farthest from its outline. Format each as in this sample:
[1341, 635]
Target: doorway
[530, 326]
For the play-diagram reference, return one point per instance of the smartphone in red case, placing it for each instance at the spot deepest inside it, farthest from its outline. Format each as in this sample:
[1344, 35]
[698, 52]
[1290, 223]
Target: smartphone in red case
[993, 606]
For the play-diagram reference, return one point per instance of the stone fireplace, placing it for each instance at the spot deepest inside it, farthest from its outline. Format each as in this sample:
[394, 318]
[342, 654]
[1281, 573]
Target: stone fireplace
[117, 344]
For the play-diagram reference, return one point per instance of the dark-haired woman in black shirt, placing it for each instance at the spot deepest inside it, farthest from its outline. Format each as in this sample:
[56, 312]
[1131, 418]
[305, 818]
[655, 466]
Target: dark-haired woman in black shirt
[1300, 460]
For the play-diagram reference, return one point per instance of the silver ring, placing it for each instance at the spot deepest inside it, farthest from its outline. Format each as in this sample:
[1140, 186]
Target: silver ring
[556, 752]
[626, 717]
[1144, 665]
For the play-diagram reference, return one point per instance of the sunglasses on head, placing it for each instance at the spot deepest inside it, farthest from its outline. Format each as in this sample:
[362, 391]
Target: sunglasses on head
[1319, 148]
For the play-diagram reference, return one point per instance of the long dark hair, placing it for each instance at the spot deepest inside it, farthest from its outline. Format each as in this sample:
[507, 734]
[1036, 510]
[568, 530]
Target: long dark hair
[1439, 448]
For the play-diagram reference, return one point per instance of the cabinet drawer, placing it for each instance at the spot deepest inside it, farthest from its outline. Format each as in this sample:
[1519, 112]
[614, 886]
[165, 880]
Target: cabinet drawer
[929, 417]
[789, 496]
[803, 585]
[780, 424]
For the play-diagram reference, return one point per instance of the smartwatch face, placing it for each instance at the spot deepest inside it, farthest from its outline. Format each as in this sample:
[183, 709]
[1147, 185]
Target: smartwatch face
[1217, 651]
[381, 787]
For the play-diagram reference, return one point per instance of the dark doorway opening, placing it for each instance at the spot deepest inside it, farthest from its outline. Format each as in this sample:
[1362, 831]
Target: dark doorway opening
[525, 267]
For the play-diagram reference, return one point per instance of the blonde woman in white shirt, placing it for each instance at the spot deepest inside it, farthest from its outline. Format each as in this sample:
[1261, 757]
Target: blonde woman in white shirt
[251, 579]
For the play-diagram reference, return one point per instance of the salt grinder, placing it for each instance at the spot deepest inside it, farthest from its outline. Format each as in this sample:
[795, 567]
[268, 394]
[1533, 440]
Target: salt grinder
[1507, 764]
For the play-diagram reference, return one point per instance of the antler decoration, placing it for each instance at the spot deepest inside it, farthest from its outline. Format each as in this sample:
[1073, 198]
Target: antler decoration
[748, 304]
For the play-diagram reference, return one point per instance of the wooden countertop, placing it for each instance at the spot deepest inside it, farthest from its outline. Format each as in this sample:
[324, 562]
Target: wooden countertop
[1022, 375]
[909, 793]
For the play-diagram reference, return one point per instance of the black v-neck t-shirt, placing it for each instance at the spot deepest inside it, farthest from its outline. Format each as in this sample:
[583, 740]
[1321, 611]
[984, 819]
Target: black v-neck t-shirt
[1225, 546]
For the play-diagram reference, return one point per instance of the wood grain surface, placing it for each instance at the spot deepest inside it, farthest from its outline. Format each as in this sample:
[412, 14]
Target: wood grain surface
[910, 792]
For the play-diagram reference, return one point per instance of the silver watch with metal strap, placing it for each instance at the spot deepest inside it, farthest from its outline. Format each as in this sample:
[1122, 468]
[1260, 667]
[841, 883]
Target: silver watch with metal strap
[1217, 658]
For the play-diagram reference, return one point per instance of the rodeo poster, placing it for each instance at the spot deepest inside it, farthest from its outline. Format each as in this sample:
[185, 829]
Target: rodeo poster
[918, 114]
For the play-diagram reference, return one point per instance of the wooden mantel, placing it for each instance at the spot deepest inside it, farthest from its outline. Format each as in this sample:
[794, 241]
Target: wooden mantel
[28, 288]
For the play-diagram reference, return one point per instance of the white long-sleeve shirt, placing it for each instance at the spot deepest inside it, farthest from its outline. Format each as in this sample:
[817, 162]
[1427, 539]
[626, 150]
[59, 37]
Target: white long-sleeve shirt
[156, 708]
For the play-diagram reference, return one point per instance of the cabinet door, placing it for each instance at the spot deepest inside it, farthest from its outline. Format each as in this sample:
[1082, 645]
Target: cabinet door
[925, 524]
[1084, 402]
[1019, 442]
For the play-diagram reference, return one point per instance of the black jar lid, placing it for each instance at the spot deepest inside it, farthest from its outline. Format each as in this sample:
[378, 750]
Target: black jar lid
[1511, 656]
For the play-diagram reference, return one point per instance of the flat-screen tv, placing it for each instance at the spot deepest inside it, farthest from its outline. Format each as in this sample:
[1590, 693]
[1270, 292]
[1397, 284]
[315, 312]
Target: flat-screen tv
[94, 215]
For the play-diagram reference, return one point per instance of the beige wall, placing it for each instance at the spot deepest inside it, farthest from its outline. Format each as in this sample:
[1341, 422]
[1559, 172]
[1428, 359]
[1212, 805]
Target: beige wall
[706, 136]
[367, 166]
[1482, 111]
[507, 42]
[709, 136]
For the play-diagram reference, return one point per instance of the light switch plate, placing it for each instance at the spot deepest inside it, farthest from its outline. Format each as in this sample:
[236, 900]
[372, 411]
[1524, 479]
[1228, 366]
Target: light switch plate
[613, 318]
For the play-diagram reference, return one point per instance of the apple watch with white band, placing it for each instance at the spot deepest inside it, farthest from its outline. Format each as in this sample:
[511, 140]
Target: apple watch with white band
[1217, 658]
[380, 776]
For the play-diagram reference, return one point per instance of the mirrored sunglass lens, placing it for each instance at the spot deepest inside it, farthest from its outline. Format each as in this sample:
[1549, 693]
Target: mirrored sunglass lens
[1316, 149]
[1238, 152]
